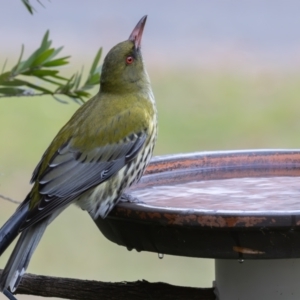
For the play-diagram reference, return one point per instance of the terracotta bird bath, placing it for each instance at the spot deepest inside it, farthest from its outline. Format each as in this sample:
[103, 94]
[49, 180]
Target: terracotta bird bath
[241, 208]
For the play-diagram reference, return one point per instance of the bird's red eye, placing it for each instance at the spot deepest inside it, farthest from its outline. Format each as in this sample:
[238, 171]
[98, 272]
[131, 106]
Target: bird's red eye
[129, 60]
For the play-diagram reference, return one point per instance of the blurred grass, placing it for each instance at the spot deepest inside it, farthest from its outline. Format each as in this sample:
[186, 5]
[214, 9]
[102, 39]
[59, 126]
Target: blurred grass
[208, 110]
[213, 111]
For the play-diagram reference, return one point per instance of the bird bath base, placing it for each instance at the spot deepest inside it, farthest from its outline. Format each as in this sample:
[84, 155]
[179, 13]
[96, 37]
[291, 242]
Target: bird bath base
[234, 206]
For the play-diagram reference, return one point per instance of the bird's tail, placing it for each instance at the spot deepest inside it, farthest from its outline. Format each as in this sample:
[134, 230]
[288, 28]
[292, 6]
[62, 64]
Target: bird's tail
[10, 229]
[20, 257]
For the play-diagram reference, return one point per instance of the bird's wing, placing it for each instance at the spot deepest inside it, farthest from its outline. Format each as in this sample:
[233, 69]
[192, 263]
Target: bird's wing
[71, 172]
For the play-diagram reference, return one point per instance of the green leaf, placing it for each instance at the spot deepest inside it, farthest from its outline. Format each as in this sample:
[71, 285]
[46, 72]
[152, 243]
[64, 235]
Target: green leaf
[56, 51]
[40, 3]
[77, 80]
[14, 69]
[35, 56]
[41, 73]
[96, 61]
[4, 65]
[24, 65]
[93, 80]
[87, 87]
[14, 82]
[18, 82]
[45, 42]
[28, 6]
[11, 91]
[4, 77]
[77, 100]
[94, 75]
[81, 93]
[65, 89]
[70, 83]
[52, 81]
[40, 64]
[42, 57]
[60, 77]
[39, 88]
[60, 100]
[21, 54]
[57, 62]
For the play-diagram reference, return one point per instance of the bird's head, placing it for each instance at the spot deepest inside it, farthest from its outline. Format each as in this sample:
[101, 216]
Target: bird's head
[123, 67]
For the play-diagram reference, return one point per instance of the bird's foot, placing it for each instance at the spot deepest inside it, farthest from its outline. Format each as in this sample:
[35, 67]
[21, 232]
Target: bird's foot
[129, 198]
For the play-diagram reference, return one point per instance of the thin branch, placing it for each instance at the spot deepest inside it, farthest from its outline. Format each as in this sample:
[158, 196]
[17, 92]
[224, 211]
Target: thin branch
[77, 289]
[33, 95]
[9, 199]
[25, 95]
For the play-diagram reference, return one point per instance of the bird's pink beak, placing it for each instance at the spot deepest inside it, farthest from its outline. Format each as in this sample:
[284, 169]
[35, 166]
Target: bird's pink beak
[136, 34]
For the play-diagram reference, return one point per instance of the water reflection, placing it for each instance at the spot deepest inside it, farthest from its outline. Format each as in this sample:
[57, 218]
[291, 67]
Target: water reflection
[245, 194]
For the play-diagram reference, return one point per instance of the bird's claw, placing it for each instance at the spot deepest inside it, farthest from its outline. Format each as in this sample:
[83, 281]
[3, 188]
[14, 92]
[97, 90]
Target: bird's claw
[129, 198]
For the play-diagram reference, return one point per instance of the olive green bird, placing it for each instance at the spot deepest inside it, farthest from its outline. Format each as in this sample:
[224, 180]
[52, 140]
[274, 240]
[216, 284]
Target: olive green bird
[101, 151]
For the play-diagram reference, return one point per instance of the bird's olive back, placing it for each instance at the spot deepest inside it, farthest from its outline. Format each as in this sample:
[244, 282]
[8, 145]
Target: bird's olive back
[123, 69]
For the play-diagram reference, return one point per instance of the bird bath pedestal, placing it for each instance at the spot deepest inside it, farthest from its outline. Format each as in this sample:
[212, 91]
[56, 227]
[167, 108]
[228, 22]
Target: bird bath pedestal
[241, 208]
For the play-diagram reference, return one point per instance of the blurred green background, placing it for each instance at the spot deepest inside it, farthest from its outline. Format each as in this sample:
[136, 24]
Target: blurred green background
[210, 96]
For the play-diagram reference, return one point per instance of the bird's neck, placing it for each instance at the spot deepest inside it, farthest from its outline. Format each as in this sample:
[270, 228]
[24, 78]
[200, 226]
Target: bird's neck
[130, 85]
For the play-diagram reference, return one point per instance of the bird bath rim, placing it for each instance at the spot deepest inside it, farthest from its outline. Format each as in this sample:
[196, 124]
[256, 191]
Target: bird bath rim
[218, 165]
[208, 233]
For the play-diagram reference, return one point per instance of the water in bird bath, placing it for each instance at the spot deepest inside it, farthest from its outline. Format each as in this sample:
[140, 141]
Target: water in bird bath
[256, 194]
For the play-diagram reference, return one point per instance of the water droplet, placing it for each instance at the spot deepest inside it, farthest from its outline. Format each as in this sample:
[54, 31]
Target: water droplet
[129, 249]
[241, 260]
[160, 256]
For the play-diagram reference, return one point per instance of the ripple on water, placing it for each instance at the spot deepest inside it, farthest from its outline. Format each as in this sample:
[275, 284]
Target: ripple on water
[244, 194]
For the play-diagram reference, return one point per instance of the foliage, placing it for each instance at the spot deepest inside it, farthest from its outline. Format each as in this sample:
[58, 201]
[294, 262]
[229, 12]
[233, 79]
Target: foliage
[28, 5]
[42, 64]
